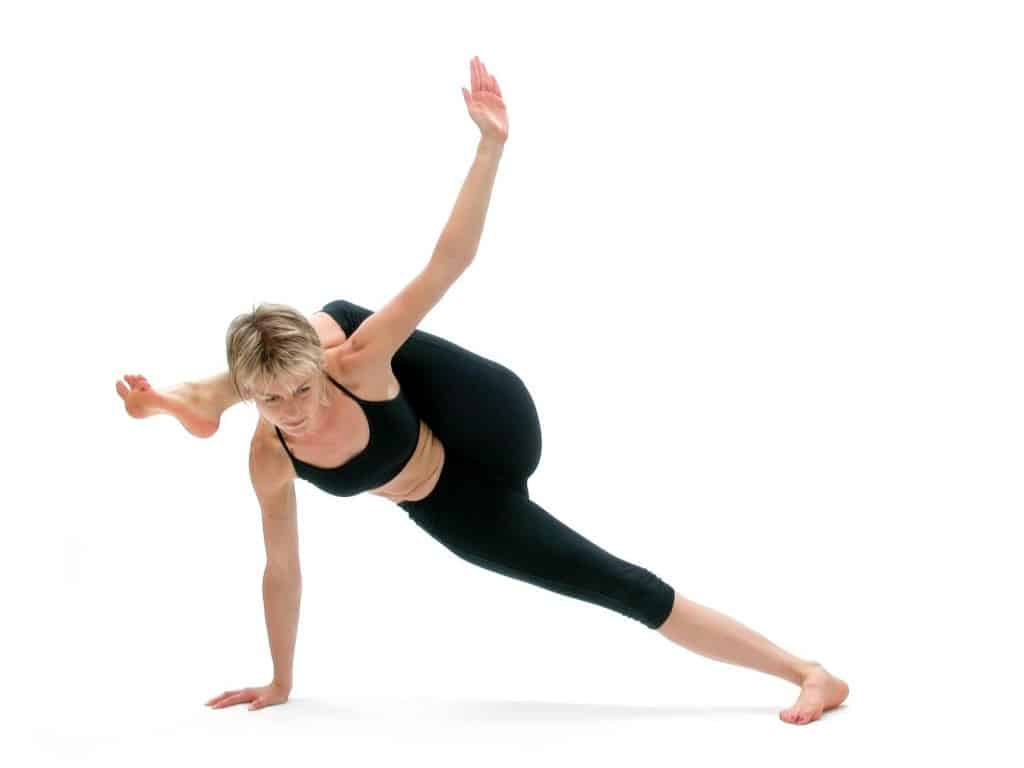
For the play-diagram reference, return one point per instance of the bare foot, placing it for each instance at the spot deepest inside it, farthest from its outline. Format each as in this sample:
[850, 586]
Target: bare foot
[819, 692]
[183, 402]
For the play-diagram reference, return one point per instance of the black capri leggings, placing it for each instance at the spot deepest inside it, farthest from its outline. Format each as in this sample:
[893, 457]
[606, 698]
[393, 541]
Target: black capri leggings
[494, 524]
[480, 508]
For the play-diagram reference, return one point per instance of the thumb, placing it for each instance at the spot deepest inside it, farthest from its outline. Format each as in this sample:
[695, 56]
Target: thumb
[465, 96]
[256, 704]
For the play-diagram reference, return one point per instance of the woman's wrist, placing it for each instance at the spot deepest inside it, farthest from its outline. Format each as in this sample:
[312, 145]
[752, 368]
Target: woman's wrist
[490, 146]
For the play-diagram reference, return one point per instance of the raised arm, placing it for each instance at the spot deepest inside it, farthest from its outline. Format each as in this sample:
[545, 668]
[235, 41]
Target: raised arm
[380, 335]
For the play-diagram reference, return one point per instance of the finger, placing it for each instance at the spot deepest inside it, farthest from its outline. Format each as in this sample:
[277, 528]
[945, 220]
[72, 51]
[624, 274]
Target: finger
[238, 698]
[473, 82]
[220, 696]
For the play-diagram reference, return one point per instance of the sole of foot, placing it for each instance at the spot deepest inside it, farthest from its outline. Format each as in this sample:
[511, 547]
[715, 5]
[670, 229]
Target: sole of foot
[181, 402]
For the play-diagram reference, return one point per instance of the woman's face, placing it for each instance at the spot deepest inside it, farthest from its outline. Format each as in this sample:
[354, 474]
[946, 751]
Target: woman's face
[292, 404]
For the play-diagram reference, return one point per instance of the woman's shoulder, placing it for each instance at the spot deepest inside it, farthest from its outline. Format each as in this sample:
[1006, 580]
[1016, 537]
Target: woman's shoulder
[328, 329]
[269, 463]
[363, 374]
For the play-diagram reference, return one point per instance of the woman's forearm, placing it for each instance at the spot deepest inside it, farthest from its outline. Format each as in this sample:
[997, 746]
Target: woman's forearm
[461, 235]
[281, 597]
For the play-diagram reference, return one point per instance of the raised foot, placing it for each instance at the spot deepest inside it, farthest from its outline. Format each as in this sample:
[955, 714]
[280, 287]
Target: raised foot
[182, 402]
[819, 692]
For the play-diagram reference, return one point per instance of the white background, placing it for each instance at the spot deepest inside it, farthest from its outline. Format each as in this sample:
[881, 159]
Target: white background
[758, 264]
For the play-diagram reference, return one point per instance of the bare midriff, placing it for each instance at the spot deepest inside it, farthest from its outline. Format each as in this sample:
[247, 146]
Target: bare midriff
[420, 474]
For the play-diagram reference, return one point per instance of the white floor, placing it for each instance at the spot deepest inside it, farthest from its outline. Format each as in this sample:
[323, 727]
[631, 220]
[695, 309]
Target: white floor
[356, 730]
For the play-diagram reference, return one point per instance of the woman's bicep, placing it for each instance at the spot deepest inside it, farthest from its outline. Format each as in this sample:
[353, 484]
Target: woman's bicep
[274, 484]
[280, 530]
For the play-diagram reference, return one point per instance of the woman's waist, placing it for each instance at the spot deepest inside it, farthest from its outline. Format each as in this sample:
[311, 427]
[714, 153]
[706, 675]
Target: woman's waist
[420, 474]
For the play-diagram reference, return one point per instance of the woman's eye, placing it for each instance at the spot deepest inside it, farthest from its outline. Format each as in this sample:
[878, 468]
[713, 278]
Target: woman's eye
[274, 399]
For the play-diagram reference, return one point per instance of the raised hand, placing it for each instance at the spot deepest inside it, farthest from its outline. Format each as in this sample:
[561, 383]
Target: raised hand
[485, 104]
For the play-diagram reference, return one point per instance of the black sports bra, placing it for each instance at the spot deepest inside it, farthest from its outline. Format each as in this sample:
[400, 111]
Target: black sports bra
[394, 434]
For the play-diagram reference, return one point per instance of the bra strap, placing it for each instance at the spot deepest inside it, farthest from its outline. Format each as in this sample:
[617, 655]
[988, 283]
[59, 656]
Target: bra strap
[281, 438]
[346, 391]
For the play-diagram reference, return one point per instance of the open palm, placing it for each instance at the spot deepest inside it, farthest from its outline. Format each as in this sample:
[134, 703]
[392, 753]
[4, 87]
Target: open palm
[485, 104]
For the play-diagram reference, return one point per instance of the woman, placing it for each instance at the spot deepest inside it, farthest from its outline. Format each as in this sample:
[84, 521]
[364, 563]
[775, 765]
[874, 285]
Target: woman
[352, 401]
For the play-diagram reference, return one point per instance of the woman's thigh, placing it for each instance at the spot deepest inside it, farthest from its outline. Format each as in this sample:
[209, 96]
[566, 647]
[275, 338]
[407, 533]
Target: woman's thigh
[497, 527]
[475, 406]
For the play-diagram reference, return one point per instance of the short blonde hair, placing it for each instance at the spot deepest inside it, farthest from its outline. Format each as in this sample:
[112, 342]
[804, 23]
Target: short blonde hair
[273, 341]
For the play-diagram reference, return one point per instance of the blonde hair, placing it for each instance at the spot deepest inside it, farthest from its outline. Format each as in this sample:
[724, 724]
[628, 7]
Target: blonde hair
[273, 341]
